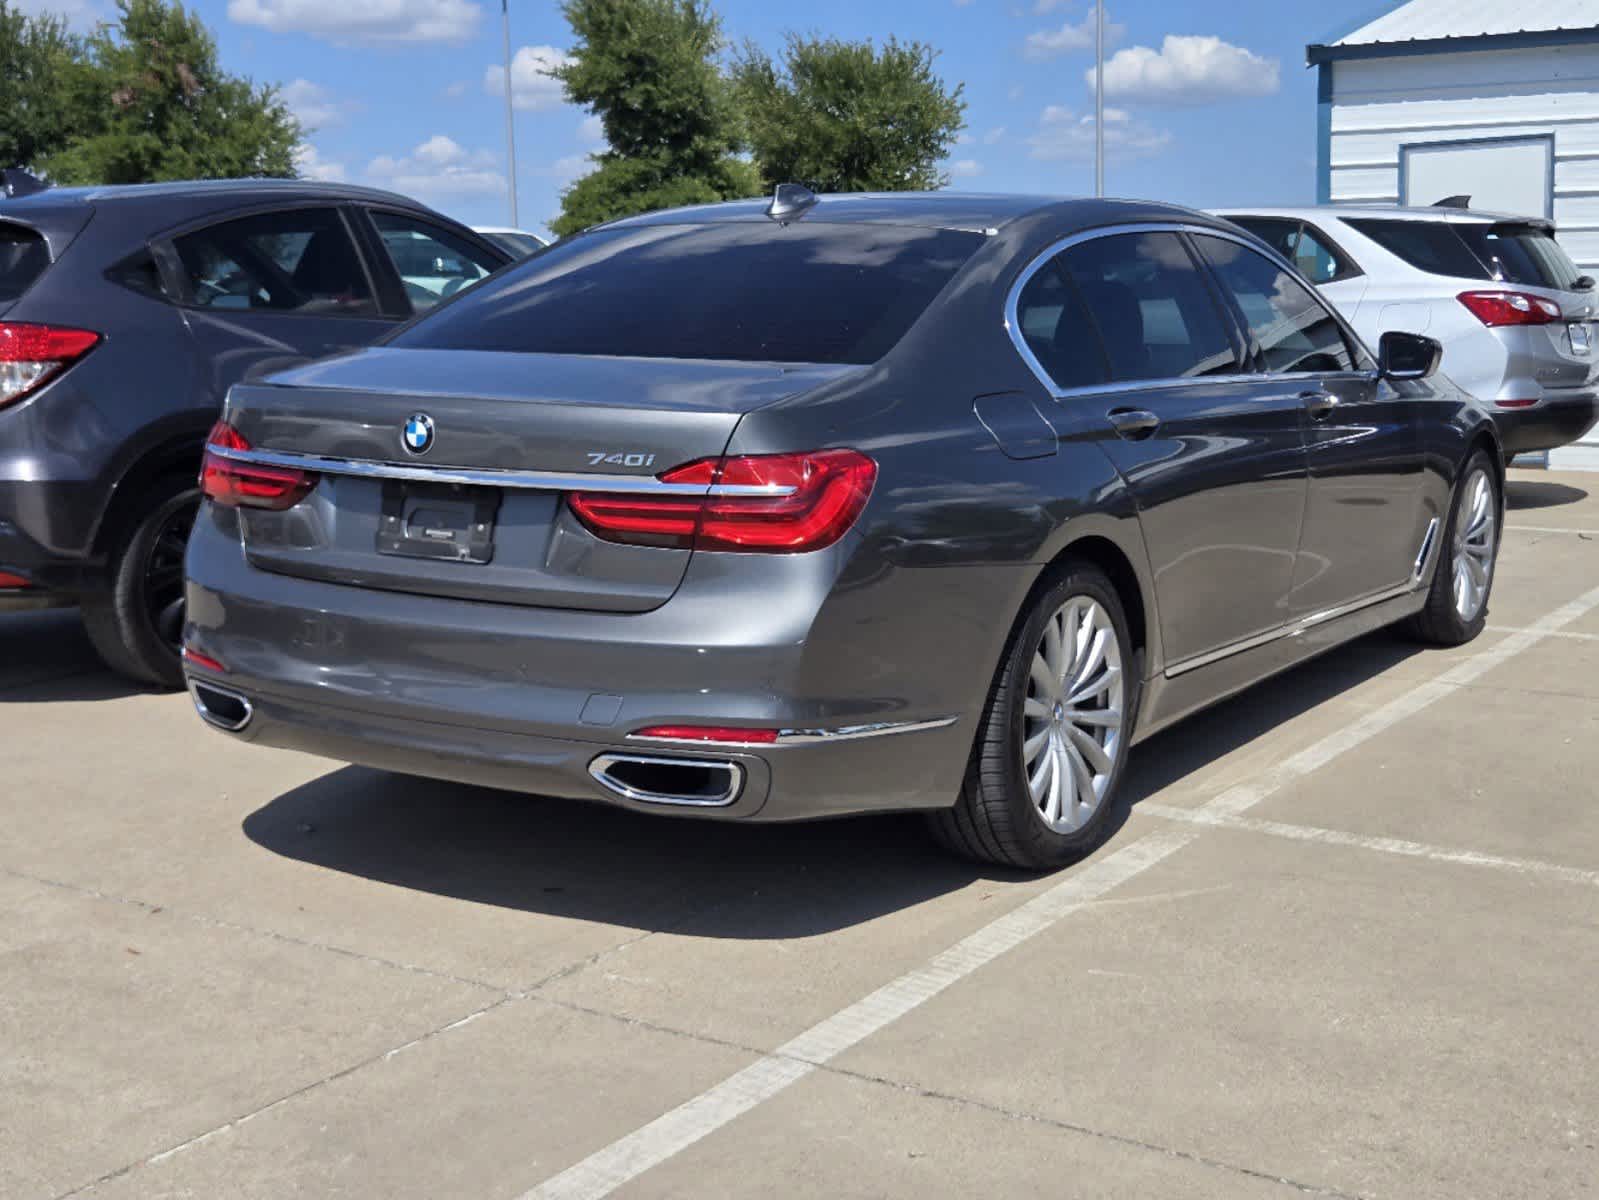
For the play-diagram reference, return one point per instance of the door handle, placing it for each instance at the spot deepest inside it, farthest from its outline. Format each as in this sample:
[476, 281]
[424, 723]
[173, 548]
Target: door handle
[1134, 424]
[1319, 404]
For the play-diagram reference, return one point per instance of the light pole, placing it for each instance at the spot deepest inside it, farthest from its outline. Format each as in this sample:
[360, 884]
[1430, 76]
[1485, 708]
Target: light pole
[510, 110]
[1099, 99]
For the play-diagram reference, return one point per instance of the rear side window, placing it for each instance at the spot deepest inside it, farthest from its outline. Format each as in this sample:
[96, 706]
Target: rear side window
[1059, 331]
[1278, 233]
[1295, 332]
[1303, 245]
[139, 273]
[299, 261]
[755, 292]
[1526, 254]
[1154, 312]
[1431, 246]
[23, 258]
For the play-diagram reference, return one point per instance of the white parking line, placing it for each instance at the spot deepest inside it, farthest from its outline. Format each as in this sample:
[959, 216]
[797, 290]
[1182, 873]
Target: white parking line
[1551, 529]
[1383, 845]
[612, 1166]
[1558, 633]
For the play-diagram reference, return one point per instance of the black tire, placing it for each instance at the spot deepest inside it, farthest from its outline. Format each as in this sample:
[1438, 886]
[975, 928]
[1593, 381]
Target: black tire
[995, 819]
[136, 625]
[1440, 622]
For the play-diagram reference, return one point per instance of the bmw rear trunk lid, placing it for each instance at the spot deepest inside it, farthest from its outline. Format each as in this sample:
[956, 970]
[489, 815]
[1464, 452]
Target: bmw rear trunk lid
[446, 472]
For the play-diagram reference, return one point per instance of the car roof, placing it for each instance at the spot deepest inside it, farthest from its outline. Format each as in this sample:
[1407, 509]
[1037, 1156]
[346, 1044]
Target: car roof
[1392, 212]
[196, 196]
[971, 211]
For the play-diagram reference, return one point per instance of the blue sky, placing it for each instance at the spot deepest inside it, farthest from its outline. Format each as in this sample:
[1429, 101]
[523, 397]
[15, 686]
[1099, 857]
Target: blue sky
[1208, 102]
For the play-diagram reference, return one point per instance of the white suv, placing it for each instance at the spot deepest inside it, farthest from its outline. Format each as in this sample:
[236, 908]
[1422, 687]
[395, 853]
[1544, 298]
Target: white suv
[1513, 312]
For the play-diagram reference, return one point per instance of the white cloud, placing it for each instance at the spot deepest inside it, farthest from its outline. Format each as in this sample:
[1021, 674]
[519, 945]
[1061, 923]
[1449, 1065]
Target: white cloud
[314, 105]
[965, 168]
[364, 20]
[532, 86]
[439, 167]
[457, 89]
[1015, 92]
[994, 135]
[1063, 136]
[1052, 43]
[591, 130]
[1188, 70]
[311, 165]
[964, 138]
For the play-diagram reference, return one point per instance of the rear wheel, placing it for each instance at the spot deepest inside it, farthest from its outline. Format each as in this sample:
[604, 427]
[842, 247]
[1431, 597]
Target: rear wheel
[1457, 602]
[1052, 743]
[137, 624]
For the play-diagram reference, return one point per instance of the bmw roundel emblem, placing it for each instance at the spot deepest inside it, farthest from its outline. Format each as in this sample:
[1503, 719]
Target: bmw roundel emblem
[418, 433]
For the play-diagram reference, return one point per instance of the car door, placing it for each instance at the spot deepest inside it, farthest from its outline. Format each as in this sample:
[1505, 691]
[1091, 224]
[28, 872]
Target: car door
[428, 262]
[1136, 343]
[1364, 526]
[267, 290]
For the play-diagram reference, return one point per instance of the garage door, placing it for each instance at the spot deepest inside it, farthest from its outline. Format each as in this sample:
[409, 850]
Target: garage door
[1513, 175]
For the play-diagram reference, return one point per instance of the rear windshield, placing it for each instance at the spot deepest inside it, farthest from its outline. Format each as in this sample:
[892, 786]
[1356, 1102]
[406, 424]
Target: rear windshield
[1525, 254]
[802, 293]
[23, 258]
[1431, 246]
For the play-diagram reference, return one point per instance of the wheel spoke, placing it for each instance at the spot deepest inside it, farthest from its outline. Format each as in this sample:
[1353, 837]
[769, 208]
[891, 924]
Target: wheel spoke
[1090, 749]
[1032, 745]
[1038, 781]
[1083, 776]
[1036, 710]
[1051, 649]
[1070, 793]
[1042, 678]
[1098, 687]
[1052, 802]
[1108, 718]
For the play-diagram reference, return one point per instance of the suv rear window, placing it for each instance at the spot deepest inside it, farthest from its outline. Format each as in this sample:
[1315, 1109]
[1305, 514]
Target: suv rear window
[1431, 246]
[1526, 254]
[23, 258]
[808, 292]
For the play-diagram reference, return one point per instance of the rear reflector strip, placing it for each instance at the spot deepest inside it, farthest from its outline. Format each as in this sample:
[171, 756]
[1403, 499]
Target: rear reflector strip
[10, 582]
[692, 734]
[205, 662]
[1514, 403]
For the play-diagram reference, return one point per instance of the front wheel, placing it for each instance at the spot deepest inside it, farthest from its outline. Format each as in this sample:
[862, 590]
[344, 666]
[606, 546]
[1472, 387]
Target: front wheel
[1052, 743]
[136, 625]
[1457, 601]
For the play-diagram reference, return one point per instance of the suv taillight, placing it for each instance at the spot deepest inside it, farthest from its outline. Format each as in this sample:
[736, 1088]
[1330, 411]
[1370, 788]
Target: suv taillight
[1510, 308]
[755, 503]
[32, 355]
[234, 484]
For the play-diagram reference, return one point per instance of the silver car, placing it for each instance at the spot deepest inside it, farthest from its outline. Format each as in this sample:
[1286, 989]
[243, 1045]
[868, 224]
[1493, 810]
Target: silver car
[1513, 312]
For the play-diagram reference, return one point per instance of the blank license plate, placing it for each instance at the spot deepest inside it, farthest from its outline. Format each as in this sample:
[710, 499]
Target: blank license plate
[436, 521]
[1581, 338]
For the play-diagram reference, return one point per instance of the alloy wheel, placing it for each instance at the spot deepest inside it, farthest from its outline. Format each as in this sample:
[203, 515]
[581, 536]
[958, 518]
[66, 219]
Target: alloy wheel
[163, 574]
[1072, 717]
[1476, 540]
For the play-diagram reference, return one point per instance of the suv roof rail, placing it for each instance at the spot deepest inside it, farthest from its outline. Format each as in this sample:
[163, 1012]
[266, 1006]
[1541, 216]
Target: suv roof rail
[18, 182]
[1453, 202]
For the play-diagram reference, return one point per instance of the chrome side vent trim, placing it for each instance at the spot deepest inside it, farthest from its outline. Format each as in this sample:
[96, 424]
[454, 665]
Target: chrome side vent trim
[684, 782]
[1426, 548]
[220, 708]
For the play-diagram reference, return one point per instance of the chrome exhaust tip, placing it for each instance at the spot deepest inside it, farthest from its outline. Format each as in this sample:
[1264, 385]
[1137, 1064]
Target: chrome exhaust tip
[685, 782]
[220, 708]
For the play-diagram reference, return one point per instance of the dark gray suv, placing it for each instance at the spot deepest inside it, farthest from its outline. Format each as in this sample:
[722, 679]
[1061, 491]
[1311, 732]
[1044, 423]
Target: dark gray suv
[125, 315]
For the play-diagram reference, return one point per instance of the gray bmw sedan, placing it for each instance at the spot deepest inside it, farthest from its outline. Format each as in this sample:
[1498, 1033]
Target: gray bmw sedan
[768, 511]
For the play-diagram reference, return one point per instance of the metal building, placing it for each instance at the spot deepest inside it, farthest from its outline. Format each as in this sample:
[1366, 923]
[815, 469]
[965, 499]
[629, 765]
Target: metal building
[1495, 100]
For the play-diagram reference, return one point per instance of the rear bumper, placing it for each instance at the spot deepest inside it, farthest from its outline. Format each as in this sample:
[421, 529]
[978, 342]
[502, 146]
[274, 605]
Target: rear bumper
[1554, 421]
[54, 580]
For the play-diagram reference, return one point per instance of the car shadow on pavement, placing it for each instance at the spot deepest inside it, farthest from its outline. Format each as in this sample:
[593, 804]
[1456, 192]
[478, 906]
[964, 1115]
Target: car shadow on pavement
[46, 657]
[595, 863]
[1530, 493]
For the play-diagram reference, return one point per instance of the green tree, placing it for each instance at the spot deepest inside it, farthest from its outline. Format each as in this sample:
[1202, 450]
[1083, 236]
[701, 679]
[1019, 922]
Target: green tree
[152, 103]
[38, 57]
[648, 69]
[847, 117]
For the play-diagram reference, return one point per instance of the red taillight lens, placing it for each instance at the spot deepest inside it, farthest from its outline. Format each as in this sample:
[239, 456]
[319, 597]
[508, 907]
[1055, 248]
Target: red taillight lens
[10, 582]
[203, 661]
[1510, 308]
[708, 733]
[32, 355]
[772, 503]
[250, 485]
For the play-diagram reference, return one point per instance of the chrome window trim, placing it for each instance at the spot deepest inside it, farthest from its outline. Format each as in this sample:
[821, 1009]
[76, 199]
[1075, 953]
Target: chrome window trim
[808, 737]
[1014, 329]
[546, 481]
[1292, 629]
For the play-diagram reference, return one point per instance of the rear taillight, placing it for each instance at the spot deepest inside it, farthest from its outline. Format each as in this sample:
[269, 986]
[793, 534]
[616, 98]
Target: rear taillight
[10, 582]
[32, 355]
[708, 733]
[766, 503]
[1510, 308]
[234, 484]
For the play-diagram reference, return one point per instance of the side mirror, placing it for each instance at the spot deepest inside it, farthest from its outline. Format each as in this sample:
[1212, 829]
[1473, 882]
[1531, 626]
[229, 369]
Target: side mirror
[1402, 356]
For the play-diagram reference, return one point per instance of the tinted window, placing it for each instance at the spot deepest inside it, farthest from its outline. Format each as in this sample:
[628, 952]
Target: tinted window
[514, 242]
[301, 261]
[1317, 259]
[433, 263]
[23, 258]
[1431, 246]
[139, 273]
[1154, 312]
[1522, 254]
[807, 292]
[1059, 331]
[1280, 234]
[1294, 331]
